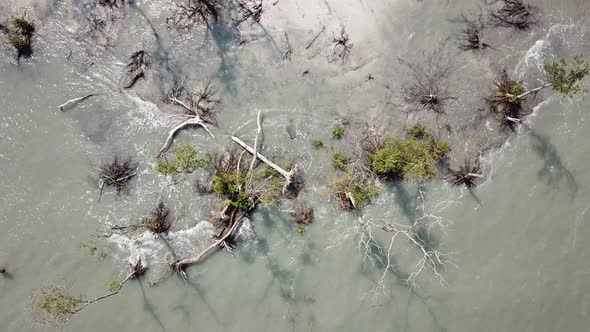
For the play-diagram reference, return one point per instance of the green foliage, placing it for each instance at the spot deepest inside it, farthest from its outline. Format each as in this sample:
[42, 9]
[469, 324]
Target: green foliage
[416, 158]
[19, 43]
[316, 143]
[93, 250]
[418, 131]
[338, 132]
[339, 160]
[565, 76]
[517, 90]
[301, 229]
[447, 126]
[114, 286]
[271, 184]
[361, 191]
[231, 186]
[184, 161]
[25, 27]
[54, 305]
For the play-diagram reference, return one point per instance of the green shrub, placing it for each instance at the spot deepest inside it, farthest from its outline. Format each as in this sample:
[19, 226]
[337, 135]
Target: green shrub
[416, 158]
[316, 143]
[338, 132]
[517, 90]
[565, 77]
[361, 191]
[21, 45]
[339, 160]
[184, 161]
[418, 131]
[447, 126]
[23, 26]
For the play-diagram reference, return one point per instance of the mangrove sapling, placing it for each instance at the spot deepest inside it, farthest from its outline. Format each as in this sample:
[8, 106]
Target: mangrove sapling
[138, 63]
[512, 13]
[186, 16]
[339, 160]
[468, 174]
[427, 90]
[20, 36]
[318, 144]
[54, 305]
[338, 132]
[341, 45]
[117, 174]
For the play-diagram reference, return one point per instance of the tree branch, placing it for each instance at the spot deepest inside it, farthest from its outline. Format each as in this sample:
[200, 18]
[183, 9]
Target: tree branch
[288, 175]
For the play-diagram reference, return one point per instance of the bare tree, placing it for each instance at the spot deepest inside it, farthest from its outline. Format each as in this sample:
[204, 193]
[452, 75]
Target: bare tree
[248, 9]
[512, 13]
[117, 174]
[138, 63]
[427, 89]
[341, 45]
[186, 16]
[467, 174]
[470, 36]
[199, 109]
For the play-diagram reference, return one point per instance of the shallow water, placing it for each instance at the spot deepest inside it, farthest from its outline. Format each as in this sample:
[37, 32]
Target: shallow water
[518, 241]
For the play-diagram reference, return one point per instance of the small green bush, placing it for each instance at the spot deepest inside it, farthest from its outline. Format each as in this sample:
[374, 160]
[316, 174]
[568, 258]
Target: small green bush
[316, 143]
[339, 160]
[447, 126]
[517, 90]
[418, 131]
[20, 44]
[23, 26]
[184, 161]
[361, 191]
[338, 132]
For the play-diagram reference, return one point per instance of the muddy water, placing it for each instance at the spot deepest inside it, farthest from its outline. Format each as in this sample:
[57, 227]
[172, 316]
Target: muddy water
[519, 241]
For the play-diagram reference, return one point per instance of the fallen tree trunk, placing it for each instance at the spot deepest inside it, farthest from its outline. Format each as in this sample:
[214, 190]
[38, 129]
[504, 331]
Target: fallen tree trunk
[180, 265]
[288, 175]
[75, 101]
[173, 132]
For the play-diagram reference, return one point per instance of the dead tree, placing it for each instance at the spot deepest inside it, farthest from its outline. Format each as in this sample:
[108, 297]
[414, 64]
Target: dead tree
[302, 213]
[112, 3]
[186, 17]
[248, 9]
[157, 220]
[198, 110]
[138, 64]
[233, 179]
[470, 36]
[117, 174]
[427, 89]
[512, 13]
[341, 45]
[468, 174]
